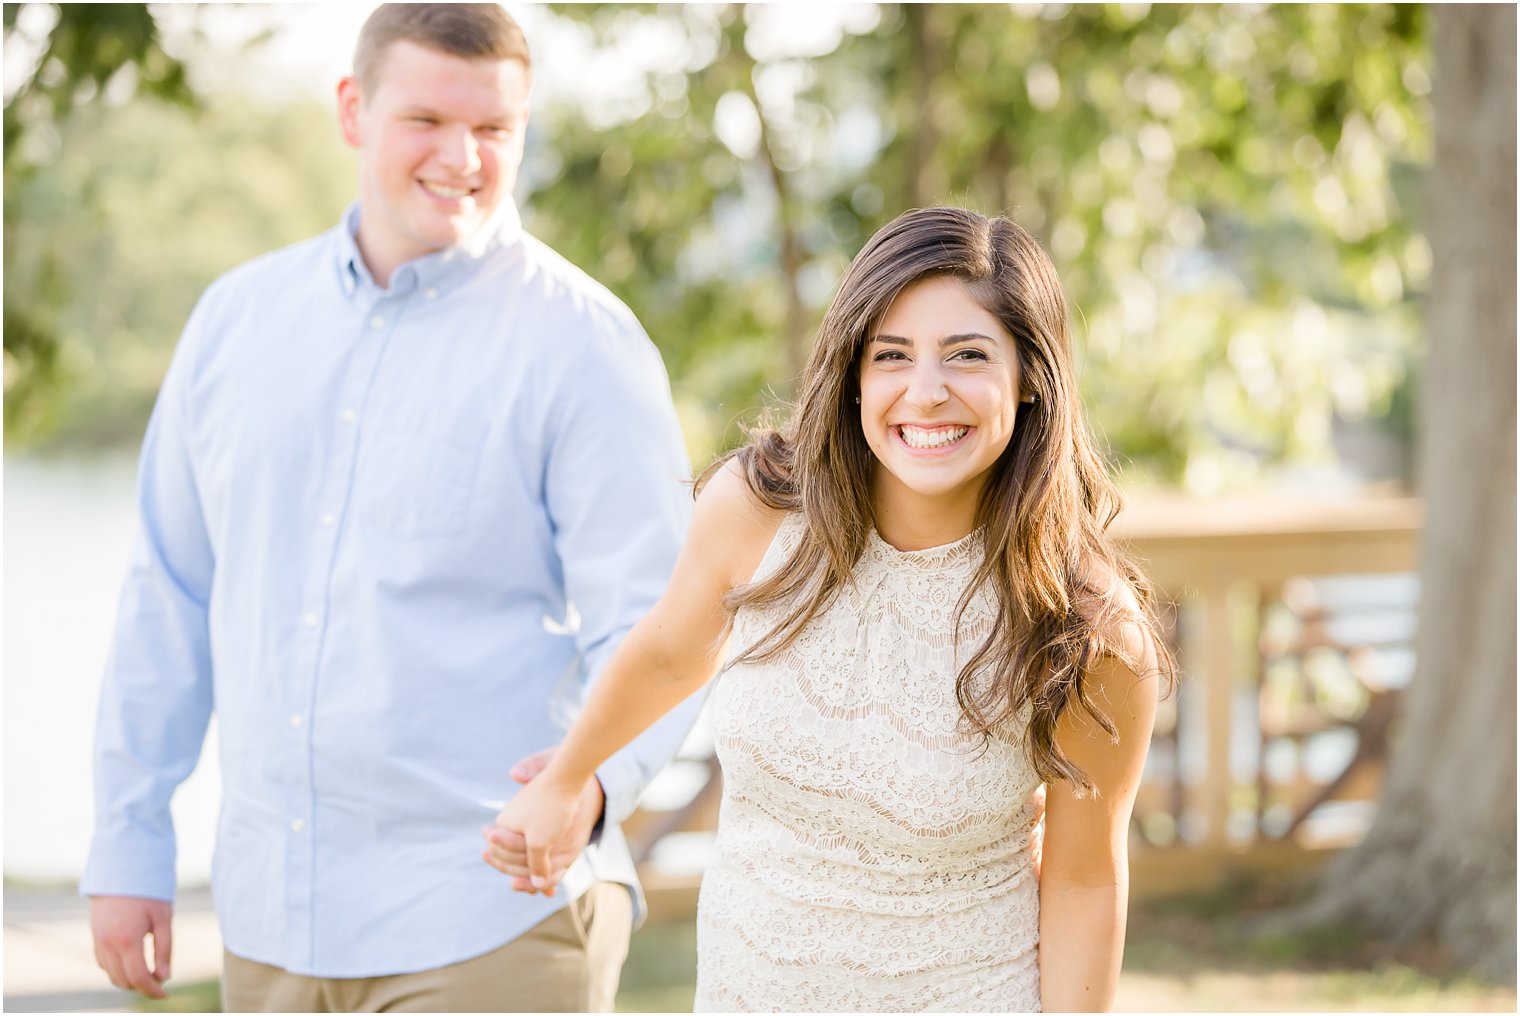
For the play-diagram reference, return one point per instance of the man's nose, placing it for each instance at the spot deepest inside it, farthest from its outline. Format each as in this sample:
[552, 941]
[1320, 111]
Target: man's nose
[459, 151]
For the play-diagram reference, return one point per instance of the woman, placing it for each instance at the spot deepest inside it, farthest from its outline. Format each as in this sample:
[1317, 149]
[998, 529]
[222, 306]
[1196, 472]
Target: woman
[928, 625]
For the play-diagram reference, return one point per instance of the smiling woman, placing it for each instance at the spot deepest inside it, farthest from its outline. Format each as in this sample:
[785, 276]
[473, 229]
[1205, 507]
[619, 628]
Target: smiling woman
[935, 648]
[939, 383]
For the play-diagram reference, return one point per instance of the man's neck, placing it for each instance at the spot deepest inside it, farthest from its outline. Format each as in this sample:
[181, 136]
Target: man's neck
[381, 261]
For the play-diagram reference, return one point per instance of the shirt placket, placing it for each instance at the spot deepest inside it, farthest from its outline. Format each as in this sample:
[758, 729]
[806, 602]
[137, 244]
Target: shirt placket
[377, 315]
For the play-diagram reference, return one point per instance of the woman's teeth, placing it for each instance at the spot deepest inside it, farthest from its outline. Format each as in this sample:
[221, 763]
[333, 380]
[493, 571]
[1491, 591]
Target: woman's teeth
[916, 437]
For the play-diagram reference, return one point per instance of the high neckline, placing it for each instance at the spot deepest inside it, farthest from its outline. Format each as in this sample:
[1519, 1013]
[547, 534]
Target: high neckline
[929, 557]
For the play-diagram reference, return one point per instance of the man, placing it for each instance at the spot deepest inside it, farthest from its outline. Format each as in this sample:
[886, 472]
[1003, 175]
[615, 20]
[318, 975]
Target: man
[405, 488]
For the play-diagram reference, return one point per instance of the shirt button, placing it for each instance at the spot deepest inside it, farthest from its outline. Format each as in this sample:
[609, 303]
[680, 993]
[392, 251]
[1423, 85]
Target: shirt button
[377, 322]
[297, 825]
[309, 620]
[328, 518]
[349, 416]
[431, 294]
[297, 721]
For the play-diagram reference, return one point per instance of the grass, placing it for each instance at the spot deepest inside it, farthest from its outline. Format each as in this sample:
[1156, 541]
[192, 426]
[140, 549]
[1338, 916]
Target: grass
[1203, 952]
[1227, 950]
[660, 975]
[199, 996]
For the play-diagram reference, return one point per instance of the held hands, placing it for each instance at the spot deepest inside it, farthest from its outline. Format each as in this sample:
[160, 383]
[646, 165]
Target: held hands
[542, 830]
[121, 926]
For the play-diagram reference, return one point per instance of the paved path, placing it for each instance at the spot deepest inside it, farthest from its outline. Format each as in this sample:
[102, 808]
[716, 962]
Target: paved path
[50, 962]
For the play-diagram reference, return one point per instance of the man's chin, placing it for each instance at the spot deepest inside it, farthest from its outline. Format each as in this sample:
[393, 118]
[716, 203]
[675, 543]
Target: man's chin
[458, 229]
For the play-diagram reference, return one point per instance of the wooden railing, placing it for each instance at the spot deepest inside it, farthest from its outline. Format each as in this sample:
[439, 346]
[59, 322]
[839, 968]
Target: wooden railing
[1258, 622]
[1230, 569]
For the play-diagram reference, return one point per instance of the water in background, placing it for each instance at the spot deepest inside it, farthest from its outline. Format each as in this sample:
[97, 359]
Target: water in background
[68, 532]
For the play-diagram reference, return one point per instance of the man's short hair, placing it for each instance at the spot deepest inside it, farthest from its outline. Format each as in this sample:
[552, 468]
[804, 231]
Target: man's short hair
[472, 31]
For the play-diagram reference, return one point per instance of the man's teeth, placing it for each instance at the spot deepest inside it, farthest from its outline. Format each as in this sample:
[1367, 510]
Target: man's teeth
[443, 191]
[916, 437]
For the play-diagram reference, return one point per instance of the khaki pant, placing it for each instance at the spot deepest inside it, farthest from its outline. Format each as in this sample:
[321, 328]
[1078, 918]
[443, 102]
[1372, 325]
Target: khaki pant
[569, 962]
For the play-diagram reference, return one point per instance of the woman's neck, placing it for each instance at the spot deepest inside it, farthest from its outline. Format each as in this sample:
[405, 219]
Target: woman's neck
[910, 521]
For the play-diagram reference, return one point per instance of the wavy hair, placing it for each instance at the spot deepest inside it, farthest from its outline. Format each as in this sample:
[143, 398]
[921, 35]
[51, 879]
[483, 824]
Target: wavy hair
[1058, 582]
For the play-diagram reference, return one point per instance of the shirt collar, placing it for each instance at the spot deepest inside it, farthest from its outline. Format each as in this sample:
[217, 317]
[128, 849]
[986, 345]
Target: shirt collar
[439, 270]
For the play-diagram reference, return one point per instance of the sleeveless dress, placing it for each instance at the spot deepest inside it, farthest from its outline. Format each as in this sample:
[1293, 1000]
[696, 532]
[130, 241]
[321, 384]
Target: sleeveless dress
[869, 856]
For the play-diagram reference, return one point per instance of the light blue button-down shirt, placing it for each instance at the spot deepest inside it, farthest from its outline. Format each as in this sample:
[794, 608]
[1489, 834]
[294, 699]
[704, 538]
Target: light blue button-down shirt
[386, 536]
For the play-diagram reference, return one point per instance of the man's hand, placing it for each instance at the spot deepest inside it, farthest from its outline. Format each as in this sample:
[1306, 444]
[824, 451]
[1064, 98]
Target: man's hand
[506, 848]
[121, 925]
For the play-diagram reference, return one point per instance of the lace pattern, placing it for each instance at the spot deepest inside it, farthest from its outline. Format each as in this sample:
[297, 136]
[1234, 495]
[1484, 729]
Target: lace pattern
[870, 855]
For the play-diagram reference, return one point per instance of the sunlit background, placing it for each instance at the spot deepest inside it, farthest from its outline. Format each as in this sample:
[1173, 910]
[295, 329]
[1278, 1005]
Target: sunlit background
[1232, 196]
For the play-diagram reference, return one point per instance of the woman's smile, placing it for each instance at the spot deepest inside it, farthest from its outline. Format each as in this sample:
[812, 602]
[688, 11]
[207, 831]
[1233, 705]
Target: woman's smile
[936, 439]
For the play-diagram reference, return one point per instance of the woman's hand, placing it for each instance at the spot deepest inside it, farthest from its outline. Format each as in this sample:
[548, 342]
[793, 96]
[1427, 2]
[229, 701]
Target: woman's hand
[541, 831]
[666, 657]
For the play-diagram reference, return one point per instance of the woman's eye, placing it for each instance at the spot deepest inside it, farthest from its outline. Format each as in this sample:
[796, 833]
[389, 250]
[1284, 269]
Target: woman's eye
[970, 355]
[888, 355]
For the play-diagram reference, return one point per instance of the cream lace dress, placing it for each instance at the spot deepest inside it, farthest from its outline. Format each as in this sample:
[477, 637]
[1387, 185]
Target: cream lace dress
[869, 857]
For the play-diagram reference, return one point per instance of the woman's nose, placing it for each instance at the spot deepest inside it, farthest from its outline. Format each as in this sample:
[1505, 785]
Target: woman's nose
[926, 386]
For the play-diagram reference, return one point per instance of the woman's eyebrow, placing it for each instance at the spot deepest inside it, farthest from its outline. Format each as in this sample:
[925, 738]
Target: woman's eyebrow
[948, 340]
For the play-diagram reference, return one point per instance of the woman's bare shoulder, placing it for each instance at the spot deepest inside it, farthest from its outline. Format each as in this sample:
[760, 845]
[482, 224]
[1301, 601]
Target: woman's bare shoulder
[731, 523]
[1111, 603]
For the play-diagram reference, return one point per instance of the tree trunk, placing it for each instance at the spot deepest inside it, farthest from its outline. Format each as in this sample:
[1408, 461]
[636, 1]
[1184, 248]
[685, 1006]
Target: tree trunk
[799, 338]
[1439, 861]
[923, 181]
[790, 254]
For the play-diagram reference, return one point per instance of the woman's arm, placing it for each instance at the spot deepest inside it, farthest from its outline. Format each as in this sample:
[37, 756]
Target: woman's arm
[1084, 874]
[665, 657]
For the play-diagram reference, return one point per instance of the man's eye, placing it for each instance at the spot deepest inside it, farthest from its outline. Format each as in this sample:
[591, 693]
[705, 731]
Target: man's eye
[424, 121]
[497, 131]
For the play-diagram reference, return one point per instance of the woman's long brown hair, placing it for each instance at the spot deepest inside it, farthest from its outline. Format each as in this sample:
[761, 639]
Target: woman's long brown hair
[1058, 583]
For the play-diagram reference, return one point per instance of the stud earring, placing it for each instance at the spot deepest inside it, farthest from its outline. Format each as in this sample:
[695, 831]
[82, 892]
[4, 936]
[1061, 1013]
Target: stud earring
[857, 400]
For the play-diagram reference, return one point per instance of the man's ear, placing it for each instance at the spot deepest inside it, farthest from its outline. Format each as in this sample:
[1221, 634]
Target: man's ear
[349, 103]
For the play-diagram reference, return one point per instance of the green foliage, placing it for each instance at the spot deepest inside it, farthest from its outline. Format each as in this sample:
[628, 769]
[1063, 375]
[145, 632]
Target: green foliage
[1228, 192]
[90, 49]
[138, 230]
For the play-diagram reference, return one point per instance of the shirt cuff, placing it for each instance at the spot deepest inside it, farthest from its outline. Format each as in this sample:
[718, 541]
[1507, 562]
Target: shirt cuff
[129, 863]
[622, 782]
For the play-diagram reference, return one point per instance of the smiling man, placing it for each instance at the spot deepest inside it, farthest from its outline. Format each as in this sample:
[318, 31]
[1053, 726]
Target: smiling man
[406, 487]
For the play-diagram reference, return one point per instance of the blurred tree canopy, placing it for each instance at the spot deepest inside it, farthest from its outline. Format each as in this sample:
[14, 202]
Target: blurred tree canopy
[125, 195]
[90, 49]
[1228, 192]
